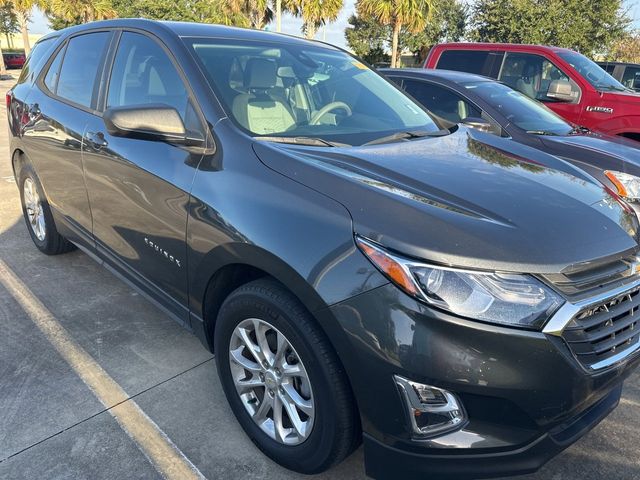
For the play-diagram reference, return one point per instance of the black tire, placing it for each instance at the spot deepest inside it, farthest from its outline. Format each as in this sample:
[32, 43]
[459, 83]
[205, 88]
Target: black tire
[53, 243]
[336, 429]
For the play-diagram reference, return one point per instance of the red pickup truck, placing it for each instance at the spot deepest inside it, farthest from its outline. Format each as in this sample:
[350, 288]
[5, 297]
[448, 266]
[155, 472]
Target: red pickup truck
[567, 82]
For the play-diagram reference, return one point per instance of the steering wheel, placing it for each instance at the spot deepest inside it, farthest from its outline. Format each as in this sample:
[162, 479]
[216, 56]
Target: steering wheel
[327, 108]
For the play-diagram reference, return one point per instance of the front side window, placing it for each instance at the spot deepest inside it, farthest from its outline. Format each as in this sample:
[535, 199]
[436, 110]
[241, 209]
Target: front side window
[591, 72]
[143, 74]
[441, 101]
[82, 62]
[293, 90]
[520, 109]
[530, 74]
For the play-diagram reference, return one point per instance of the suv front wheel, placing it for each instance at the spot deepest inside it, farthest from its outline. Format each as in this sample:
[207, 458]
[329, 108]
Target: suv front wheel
[283, 380]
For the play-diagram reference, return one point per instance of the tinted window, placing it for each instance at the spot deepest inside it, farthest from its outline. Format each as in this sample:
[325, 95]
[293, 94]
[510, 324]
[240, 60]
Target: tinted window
[631, 77]
[144, 74]
[293, 89]
[80, 67]
[608, 67]
[519, 109]
[463, 61]
[591, 72]
[35, 57]
[441, 101]
[51, 78]
[530, 74]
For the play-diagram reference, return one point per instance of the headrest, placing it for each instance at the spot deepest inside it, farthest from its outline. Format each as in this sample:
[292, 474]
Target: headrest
[260, 73]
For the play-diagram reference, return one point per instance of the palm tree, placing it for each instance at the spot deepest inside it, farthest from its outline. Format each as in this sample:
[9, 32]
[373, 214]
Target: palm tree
[22, 9]
[412, 14]
[314, 13]
[3, 68]
[83, 10]
[257, 12]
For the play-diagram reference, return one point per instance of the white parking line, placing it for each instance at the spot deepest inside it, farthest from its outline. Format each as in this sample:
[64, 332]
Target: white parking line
[161, 452]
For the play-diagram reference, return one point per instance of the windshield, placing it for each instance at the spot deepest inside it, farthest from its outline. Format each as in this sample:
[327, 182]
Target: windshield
[590, 70]
[287, 90]
[519, 109]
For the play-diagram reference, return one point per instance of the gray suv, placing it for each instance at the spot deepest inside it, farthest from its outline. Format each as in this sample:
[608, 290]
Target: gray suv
[464, 305]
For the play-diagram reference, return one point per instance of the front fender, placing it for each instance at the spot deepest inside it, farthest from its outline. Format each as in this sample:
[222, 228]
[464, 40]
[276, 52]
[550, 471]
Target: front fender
[297, 235]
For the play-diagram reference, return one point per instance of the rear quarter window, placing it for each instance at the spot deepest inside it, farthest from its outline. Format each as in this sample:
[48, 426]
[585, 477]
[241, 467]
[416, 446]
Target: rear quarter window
[35, 58]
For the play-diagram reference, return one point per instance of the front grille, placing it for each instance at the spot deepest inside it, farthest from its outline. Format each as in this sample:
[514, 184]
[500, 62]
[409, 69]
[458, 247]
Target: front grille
[583, 279]
[605, 330]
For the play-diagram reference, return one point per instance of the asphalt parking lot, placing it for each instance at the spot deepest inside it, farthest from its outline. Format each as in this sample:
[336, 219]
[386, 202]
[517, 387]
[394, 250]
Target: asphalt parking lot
[53, 426]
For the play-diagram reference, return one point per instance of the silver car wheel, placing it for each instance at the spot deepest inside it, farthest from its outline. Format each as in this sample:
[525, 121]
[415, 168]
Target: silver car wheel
[271, 381]
[33, 205]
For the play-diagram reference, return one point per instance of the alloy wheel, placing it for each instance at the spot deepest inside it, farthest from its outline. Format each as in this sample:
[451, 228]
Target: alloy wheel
[271, 381]
[33, 205]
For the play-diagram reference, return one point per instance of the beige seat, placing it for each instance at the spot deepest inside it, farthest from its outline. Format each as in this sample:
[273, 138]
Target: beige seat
[259, 110]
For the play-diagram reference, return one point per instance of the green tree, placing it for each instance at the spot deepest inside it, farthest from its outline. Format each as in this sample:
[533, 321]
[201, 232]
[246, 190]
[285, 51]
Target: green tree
[627, 49]
[3, 68]
[314, 13]
[367, 38]
[258, 12]
[589, 27]
[66, 13]
[398, 14]
[8, 22]
[447, 24]
[22, 9]
[226, 13]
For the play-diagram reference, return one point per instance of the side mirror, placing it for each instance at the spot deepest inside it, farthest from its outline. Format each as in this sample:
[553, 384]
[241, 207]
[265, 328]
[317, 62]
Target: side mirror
[562, 90]
[149, 122]
[478, 123]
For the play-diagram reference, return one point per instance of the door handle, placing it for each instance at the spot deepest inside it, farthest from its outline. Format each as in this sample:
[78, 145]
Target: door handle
[96, 140]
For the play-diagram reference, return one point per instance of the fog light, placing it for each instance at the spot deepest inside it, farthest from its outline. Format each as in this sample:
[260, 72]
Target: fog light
[431, 410]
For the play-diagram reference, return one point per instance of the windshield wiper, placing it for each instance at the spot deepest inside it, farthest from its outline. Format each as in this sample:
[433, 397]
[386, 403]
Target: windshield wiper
[398, 136]
[311, 141]
[610, 88]
[541, 132]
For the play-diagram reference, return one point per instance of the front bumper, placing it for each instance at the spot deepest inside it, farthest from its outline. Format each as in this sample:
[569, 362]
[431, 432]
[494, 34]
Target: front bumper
[525, 395]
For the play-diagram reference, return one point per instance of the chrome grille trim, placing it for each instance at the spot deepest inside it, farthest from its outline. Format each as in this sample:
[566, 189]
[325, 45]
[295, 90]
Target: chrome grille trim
[565, 315]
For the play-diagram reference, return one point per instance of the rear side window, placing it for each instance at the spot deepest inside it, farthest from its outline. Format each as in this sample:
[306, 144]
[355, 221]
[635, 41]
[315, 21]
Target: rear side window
[81, 64]
[463, 61]
[441, 101]
[51, 78]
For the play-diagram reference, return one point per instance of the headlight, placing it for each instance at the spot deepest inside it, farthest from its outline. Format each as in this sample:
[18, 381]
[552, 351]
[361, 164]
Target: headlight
[502, 298]
[628, 186]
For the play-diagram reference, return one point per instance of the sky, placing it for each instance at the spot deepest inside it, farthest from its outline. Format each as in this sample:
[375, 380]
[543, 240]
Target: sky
[334, 32]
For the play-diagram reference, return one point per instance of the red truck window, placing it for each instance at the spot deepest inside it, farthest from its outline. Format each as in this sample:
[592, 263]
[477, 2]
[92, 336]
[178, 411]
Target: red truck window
[463, 61]
[530, 74]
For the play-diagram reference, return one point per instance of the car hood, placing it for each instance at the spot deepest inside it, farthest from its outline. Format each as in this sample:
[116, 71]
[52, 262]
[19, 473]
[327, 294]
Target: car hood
[607, 152]
[468, 199]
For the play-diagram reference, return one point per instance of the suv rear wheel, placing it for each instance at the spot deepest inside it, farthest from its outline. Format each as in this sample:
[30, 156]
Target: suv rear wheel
[37, 215]
[283, 380]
